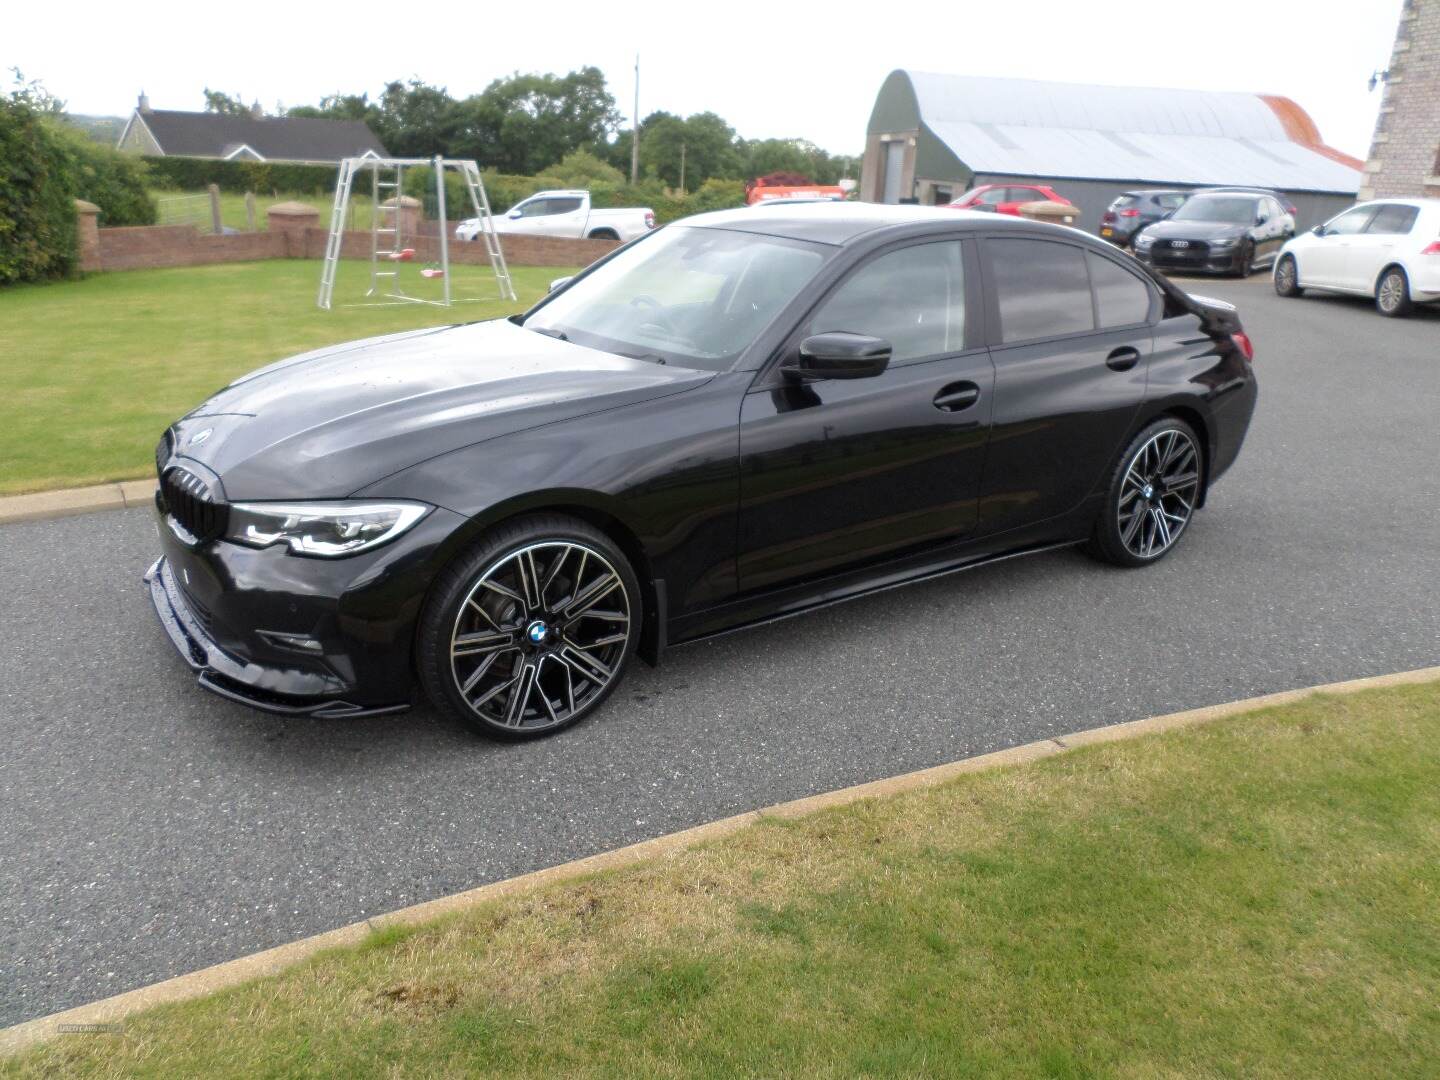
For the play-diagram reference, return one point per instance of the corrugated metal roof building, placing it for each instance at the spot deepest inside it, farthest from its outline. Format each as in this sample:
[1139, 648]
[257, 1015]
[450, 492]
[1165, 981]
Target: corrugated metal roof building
[933, 136]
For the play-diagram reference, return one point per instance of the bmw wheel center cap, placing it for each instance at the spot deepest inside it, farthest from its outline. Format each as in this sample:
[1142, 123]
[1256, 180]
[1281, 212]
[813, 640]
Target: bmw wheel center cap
[537, 632]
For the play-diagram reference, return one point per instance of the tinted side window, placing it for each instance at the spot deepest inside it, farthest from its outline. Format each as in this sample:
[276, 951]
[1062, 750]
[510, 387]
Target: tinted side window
[1121, 298]
[1393, 218]
[1041, 289]
[914, 298]
[564, 206]
[535, 208]
[994, 195]
[1171, 202]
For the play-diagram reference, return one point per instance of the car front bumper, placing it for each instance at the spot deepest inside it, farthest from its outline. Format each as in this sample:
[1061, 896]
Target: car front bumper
[300, 636]
[1224, 261]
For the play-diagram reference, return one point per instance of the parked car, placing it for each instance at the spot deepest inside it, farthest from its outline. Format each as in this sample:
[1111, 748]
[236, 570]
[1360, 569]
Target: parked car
[1283, 200]
[1006, 198]
[1133, 210]
[733, 419]
[1388, 249]
[567, 214]
[1217, 233]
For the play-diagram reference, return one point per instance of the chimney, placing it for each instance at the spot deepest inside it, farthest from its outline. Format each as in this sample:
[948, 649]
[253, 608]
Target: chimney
[144, 103]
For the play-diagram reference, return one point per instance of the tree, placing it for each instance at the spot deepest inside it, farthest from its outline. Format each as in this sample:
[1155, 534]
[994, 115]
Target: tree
[522, 123]
[708, 142]
[581, 168]
[224, 104]
[31, 93]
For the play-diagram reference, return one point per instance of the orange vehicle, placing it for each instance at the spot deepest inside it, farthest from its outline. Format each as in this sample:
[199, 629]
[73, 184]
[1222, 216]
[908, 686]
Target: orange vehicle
[783, 185]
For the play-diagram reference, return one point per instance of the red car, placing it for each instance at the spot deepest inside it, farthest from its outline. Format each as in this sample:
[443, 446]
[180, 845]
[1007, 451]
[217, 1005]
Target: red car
[1006, 198]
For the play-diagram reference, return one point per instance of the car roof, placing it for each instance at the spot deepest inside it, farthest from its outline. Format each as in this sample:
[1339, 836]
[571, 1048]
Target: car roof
[1156, 191]
[839, 223]
[1419, 204]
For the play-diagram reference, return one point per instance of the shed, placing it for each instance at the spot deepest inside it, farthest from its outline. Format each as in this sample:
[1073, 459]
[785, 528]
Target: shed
[931, 137]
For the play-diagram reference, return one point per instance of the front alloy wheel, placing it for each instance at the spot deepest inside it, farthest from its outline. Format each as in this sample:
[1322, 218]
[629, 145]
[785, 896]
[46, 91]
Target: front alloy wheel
[533, 631]
[1287, 277]
[1152, 496]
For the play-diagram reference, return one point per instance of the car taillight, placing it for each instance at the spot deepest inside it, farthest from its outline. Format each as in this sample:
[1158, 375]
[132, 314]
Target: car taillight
[649, 219]
[1242, 342]
[1432, 249]
[1108, 217]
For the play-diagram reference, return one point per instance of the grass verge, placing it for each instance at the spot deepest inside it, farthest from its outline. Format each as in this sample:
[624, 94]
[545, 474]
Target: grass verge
[1257, 897]
[91, 371]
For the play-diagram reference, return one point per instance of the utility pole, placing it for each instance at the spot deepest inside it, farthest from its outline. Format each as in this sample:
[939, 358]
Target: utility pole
[682, 168]
[635, 129]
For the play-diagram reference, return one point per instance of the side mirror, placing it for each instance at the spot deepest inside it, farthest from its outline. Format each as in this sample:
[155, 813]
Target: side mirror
[839, 355]
[1261, 219]
[514, 213]
[560, 283]
[1318, 230]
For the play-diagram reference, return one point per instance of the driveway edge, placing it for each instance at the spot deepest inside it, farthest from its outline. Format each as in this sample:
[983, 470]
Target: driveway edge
[109, 1011]
[64, 502]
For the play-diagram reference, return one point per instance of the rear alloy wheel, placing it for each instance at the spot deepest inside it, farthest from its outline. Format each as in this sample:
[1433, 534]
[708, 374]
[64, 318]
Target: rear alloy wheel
[1152, 495]
[1392, 297]
[531, 630]
[1287, 277]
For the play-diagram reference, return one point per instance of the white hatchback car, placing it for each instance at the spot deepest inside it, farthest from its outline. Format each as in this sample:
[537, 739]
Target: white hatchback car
[1388, 249]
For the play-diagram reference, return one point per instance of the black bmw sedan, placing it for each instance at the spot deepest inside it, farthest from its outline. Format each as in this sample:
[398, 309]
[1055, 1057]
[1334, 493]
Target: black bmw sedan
[1217, 232]
[730, 420]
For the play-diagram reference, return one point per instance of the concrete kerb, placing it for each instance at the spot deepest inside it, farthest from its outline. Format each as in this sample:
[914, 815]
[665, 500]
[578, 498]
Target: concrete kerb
[83, 500]
[271, 961]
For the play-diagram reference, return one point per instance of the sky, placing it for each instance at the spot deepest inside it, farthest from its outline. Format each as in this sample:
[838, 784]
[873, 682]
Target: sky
[771, 70]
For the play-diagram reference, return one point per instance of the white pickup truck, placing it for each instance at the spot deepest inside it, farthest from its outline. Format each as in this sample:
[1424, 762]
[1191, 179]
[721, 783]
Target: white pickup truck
[567, 214]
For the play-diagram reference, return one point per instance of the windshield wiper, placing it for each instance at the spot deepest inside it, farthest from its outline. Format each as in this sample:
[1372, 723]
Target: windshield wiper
[654, 358]
[550, 331]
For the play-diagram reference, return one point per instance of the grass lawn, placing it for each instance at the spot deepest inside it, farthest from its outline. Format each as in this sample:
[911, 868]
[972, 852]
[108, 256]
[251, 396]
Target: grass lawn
[92, 371]
[232, 208]
[1259, 897]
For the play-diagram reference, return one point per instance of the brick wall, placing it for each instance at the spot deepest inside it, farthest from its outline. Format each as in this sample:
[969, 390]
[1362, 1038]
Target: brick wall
[144, 247]
[519, 250]
[1405, 154]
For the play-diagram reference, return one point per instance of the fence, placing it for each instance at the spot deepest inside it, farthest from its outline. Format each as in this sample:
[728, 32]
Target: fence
[202, 212]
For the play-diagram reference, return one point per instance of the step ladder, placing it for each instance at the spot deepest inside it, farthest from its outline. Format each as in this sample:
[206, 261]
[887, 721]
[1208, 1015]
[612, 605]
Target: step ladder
[387, 243]
[385, 224]
[480, 203]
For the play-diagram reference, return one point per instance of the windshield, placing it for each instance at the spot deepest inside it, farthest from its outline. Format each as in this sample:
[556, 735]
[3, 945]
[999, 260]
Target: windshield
[691, 296]
[1235, 209]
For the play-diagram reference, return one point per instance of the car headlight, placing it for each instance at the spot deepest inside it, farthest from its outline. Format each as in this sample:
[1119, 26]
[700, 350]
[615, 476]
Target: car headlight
[1225, 242]
[1143, 241]
[324, 530]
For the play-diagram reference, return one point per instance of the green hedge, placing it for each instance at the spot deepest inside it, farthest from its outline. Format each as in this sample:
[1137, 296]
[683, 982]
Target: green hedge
[238, 177]
[37, 208]
[113, 181]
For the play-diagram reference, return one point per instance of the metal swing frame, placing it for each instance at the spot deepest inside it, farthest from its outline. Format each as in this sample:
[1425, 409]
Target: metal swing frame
[387, 241]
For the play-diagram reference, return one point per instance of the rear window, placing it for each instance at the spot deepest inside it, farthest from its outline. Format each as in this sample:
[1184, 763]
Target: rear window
[1121, 298]
[1394, 219]
[1124, 201]
[1041, 288]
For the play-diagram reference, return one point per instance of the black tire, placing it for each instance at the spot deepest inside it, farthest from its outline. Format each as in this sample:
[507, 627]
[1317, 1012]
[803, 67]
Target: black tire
[1287, 277]
[1245, 262]
[527, 685]
[1167, 450]
[1392, 293]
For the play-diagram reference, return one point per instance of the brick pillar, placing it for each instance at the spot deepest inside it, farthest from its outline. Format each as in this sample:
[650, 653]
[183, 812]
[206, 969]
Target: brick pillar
[291, 220]
[87, 229]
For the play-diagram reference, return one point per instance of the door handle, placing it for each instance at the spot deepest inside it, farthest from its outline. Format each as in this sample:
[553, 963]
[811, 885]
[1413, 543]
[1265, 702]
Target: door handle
[1123, 358]
[957, 396]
